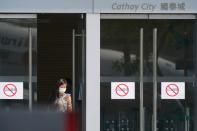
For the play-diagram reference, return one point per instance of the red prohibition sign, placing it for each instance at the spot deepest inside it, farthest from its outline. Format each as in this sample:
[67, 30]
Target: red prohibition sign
[172, 90]
[10, 90]
[122, 89]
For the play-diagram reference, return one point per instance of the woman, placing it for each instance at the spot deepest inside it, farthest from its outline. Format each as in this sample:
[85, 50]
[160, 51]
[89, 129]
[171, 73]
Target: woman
[63, 100]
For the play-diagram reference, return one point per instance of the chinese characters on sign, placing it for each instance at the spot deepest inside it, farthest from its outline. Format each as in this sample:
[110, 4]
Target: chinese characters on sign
[173, 6]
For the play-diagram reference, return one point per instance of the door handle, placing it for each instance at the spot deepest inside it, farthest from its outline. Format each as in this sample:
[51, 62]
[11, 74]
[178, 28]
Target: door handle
[155, 79]
[141, 81]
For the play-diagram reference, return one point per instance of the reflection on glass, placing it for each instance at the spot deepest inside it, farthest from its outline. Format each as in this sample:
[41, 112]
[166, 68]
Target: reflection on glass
[14, 41]
[14, 57]
[175, 47]
[119, 48]
[175, 59]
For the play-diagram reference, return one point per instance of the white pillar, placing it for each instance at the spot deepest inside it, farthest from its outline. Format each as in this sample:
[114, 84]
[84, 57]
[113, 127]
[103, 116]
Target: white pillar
[93, 72]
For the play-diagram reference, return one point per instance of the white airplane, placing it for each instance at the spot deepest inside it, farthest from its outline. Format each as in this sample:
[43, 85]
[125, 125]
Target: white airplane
[14, 46]
[108, 57]
[15, 37]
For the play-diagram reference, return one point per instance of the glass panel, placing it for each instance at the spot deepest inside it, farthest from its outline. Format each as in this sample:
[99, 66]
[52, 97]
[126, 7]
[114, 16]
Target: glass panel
[14, 46]
[34, 66]
[118, 115]
[175, 47]
[14, 56]
[120, 47]
[34, 54]
[119, 58]
[176, 58]
[173, 115]
[176, 54]
[148, 106]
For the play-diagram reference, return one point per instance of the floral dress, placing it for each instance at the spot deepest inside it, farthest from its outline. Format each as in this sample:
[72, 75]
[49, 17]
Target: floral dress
[63, 103]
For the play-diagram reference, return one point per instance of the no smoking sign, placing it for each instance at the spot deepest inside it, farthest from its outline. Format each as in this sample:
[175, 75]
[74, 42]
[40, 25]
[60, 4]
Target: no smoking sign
[172, 90]
[122, 90]
[11, 90]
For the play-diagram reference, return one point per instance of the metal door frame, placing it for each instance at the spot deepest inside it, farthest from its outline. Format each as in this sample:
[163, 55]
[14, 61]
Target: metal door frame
[148, 16]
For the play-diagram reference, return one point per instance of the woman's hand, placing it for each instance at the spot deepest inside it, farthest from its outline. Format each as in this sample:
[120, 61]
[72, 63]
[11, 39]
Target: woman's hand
[69, 103]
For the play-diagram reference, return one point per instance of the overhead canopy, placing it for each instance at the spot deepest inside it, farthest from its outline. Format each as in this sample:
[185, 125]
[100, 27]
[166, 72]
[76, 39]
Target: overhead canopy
[98, 6]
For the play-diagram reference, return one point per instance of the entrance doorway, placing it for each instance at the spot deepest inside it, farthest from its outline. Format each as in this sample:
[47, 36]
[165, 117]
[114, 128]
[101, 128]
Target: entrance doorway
[37, 50]
[61, 54]
[148, 52]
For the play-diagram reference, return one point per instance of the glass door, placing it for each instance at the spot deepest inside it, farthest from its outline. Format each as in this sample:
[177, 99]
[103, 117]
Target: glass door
[174, 62]
[148, 53]
[120, 55]
[18, 54]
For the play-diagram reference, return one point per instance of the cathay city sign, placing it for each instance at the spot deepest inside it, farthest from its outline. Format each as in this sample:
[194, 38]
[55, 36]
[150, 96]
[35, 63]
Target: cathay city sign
[145, 6]
[133, 7]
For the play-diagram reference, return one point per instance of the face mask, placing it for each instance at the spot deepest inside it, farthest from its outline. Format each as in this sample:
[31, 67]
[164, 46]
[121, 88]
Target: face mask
[62, 90]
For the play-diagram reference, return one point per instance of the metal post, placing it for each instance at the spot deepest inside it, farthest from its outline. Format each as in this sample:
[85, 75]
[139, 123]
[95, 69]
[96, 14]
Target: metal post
[73, 70]
[83, 82]
[30, 69]
[141, 82]
[144, 117]
[83, 57]
[155, 79]
[187, 117]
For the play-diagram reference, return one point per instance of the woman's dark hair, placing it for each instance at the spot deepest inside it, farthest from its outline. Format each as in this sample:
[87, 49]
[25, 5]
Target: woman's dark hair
[61, 81]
